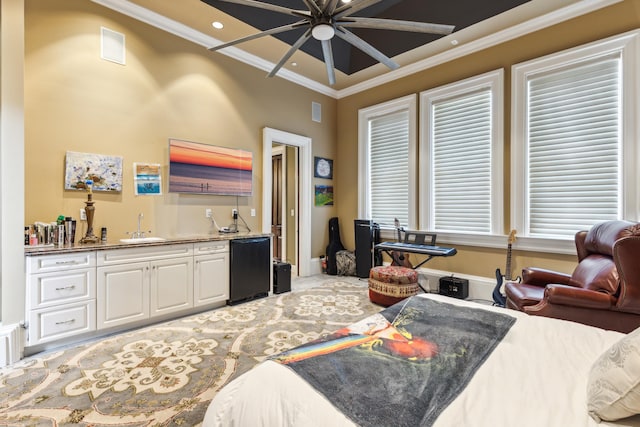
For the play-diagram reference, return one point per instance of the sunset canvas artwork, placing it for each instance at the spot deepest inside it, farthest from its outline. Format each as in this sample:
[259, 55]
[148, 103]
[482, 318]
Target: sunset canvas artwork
[208, 169]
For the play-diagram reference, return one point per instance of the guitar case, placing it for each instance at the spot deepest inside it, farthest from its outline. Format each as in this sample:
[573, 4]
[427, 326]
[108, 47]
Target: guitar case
[334, 246]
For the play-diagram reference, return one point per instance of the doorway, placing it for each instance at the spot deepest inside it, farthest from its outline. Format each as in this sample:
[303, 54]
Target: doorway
[271, 137]
[284, 207]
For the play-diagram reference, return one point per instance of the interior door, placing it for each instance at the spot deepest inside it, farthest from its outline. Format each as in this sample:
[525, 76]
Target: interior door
[276, 206]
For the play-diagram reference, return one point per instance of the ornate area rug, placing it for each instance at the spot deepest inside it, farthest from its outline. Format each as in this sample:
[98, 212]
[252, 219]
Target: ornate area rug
[166, 374]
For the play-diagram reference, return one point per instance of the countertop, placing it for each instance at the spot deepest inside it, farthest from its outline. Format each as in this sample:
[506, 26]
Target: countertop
[53, 249]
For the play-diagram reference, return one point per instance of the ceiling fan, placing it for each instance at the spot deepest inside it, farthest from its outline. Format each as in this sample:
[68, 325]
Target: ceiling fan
[324, 19]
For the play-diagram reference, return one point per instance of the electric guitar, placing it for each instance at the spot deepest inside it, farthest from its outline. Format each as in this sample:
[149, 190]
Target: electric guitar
[398, 257]
[498, 298]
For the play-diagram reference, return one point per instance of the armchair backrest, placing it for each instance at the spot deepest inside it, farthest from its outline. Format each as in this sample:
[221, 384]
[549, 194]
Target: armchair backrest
[596, 269]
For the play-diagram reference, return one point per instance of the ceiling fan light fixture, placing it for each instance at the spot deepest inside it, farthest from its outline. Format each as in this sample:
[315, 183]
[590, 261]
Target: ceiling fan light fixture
[323, 32]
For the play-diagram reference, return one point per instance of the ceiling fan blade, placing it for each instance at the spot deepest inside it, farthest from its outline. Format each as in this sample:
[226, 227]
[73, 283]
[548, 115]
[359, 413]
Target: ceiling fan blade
[260, 34]
[313, 6]
[306, 36]
[351, 38]
[269, 6]
[353, 7]
[393, 24]
[327, 52]
[330, 7]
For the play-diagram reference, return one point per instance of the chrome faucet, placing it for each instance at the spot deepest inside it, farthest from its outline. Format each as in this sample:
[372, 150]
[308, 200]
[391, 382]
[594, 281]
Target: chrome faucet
[139, 234]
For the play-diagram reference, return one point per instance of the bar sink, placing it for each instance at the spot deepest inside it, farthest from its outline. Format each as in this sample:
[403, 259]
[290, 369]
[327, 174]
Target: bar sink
[143, 240]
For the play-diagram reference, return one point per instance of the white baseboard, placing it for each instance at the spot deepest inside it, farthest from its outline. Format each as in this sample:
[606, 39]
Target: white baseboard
[10, 344]
[315, 266]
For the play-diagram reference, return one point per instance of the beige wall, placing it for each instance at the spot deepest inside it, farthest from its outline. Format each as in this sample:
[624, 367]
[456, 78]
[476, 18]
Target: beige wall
[622, 17]
[173, 88]
[169, 87]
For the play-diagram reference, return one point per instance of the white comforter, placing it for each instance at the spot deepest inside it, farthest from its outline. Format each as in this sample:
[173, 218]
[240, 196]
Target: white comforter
[537, 376]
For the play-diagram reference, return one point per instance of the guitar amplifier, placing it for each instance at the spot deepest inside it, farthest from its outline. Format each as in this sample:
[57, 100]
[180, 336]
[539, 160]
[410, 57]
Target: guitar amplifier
[454, 287]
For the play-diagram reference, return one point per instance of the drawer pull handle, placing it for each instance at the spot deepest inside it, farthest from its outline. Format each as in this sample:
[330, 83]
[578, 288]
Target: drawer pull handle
[66, 322]
[64, 288]
[66, 262]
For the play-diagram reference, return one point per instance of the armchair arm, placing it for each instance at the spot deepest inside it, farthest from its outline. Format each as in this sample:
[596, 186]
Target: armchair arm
[578, 297]
[541, 277]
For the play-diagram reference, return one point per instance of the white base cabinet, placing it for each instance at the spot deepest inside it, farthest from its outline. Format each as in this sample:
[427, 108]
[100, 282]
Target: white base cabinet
[138, 284]
[77, 295]
[211, 273]
[61, 296]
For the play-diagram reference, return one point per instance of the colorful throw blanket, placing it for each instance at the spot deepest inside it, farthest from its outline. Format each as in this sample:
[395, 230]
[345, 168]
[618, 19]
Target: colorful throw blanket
[403, 366]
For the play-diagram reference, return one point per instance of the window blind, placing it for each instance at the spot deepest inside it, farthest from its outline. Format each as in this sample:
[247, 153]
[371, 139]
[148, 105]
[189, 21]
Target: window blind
[574, 147]
[461, 138]
[389, 168]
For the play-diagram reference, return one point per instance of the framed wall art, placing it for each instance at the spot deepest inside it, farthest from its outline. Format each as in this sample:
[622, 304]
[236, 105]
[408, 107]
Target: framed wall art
[105, 171]
[208, 169]
[324, 195]
[322, 168]
[147, 179]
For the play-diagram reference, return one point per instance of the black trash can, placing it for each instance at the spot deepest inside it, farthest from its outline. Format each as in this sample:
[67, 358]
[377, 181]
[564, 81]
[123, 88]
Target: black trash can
[281, 277]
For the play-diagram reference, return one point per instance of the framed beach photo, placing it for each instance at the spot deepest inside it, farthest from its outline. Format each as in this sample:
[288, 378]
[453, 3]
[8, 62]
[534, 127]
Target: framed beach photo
[208, 169]
[147, 179]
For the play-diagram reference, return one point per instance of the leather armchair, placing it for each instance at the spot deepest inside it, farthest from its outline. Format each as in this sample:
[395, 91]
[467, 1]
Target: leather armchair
[604, 289]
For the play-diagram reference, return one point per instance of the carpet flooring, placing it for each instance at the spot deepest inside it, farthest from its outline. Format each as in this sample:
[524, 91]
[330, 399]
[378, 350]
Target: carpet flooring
[166, 374]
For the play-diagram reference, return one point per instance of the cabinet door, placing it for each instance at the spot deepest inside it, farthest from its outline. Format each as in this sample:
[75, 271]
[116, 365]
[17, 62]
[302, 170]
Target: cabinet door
[211, 280]
[123, 294]
[171, 285]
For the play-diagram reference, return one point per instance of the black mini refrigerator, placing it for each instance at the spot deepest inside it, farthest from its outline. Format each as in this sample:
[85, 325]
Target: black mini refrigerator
[250, 264]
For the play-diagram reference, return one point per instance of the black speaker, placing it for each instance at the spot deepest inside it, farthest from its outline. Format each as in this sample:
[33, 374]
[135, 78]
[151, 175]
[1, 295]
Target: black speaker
[454, 287]
[365, 232]
[281, 277]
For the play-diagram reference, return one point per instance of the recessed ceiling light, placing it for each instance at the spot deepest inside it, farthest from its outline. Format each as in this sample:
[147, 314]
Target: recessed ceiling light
[217, 25]
[454, 42]
[294, 64]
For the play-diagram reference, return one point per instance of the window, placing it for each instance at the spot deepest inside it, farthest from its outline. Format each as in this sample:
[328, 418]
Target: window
[386, 141]
[573, 139]
[461, 165]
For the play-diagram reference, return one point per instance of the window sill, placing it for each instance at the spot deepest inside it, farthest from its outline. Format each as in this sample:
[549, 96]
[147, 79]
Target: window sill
[533, 244]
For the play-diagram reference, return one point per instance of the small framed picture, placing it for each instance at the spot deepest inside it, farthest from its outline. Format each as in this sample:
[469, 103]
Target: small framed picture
[322, 168]
[324, 195]
[147, 179]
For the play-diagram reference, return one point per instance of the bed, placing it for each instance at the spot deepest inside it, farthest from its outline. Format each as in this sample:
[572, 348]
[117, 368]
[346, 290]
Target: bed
[437, 361]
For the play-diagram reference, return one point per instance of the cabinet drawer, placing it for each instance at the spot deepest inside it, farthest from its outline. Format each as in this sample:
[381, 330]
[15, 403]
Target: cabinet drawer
[63, 262]
[205, 248]
[130, 255]
[54, 289]
[61, 321]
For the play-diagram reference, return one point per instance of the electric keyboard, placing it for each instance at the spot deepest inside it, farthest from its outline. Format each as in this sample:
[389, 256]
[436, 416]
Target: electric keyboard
[416, 248]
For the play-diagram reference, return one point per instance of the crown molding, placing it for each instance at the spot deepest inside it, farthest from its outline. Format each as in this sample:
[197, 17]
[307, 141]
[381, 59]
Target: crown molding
[507, 34]
[176, 28]
[159, 21]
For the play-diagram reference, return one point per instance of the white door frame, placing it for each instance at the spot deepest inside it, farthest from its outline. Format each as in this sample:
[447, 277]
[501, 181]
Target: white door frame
[269, 137]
